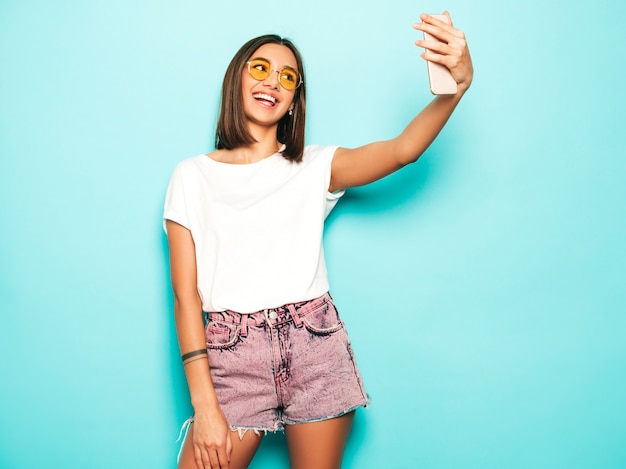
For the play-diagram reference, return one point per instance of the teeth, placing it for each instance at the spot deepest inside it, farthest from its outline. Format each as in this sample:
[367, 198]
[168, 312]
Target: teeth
[265, 97]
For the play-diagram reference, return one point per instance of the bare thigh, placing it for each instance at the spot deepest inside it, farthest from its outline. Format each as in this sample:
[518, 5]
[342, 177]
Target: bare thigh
[320, 444]
[244, 450]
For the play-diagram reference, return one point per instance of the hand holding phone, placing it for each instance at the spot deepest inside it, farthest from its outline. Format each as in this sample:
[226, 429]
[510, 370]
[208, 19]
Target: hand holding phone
[440, 78]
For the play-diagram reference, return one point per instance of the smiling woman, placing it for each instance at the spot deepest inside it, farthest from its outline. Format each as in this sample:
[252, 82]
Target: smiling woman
[245, 226]
[232, 127]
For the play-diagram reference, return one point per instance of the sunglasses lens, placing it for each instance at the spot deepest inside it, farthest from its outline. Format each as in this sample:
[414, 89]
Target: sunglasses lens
[259, 69]
[289, 79]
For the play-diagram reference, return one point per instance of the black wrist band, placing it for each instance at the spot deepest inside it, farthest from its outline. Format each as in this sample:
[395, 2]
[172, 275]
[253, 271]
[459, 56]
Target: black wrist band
[193, 354]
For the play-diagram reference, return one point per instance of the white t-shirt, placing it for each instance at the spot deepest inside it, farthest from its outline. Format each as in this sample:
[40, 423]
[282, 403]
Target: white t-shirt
[257, 227]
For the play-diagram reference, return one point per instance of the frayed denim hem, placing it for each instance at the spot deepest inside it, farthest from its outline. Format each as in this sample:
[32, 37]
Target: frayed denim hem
[241, 430]
[183, 434]
[334, 416]
[278, 426]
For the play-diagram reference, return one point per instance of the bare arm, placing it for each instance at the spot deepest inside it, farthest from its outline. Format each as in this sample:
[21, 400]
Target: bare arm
[211, 435]
[362, 165]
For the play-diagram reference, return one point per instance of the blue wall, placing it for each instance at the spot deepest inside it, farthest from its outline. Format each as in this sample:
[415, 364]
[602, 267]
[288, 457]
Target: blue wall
[483, 287]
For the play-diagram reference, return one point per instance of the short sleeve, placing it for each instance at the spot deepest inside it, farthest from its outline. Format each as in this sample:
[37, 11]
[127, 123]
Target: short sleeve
[328, 153]
[175, 200]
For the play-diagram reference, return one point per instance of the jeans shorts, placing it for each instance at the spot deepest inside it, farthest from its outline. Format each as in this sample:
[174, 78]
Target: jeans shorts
[282, 366]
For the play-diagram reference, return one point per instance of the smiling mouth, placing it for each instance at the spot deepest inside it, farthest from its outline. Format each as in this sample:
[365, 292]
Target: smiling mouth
[265, 99]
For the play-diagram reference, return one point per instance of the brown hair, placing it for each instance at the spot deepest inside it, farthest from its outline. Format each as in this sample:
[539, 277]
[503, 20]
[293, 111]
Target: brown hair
[231, 129]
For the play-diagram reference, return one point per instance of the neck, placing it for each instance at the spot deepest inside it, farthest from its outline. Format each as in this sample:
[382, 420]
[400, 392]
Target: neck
[266, 144]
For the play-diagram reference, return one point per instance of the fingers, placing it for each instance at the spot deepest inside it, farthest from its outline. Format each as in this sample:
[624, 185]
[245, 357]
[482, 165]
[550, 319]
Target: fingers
[439, 29]
[222, 459]
[229, 446]
[445, 45]
[449, 55]
[212, 458]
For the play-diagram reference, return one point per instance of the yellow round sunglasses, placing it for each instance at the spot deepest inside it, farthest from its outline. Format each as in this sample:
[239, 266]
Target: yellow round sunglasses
[260, 69]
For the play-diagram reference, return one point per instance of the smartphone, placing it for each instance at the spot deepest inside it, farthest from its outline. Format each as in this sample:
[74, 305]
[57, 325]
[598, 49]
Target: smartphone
[440, 78]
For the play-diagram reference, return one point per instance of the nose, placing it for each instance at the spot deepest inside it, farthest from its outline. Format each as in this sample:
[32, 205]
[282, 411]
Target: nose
[272, 80]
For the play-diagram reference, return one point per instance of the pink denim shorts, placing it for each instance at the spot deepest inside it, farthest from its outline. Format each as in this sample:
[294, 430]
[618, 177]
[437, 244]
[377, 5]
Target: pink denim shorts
[282, 366]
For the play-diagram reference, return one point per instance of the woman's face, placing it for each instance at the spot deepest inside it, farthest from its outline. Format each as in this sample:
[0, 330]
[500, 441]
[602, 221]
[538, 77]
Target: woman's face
[266, 102]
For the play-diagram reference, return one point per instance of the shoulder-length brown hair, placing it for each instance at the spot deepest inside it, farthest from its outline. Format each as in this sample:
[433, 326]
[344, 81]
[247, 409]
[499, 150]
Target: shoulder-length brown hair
[232, 131]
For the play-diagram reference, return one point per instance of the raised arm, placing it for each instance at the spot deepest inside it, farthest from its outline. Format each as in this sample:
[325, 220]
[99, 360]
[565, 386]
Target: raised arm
[362, 165]
[211, 435]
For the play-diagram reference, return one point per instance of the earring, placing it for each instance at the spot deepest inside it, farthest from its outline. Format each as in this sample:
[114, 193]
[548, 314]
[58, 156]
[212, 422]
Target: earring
[291, 112]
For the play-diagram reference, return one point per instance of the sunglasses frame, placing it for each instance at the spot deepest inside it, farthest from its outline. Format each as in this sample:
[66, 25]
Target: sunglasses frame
[300, 80]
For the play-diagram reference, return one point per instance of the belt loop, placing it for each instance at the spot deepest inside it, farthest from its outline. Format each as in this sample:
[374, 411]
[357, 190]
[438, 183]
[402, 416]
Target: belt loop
[244, 325]
[294, 315]
[266, 312]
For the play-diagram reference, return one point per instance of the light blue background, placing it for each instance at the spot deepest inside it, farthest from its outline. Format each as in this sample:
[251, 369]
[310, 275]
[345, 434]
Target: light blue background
[483, 287]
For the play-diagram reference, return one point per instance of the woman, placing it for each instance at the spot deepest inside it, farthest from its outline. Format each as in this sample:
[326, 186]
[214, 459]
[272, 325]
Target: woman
[244, 227]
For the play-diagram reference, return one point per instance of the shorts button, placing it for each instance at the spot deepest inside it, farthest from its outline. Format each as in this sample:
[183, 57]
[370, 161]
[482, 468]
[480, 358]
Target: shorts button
[273, 315]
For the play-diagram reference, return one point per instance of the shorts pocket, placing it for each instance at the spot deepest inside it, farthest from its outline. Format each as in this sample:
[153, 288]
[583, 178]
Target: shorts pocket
[323, 320]
[221, 335]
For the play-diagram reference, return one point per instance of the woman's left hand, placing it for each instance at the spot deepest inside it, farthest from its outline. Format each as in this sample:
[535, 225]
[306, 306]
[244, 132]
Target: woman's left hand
[452, 51]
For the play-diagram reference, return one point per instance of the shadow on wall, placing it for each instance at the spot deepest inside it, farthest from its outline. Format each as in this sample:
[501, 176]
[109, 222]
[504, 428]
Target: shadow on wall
[395, 190]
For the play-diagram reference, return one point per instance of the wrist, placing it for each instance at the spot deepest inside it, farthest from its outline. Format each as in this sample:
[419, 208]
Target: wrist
[463, 87]
[205, 405]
